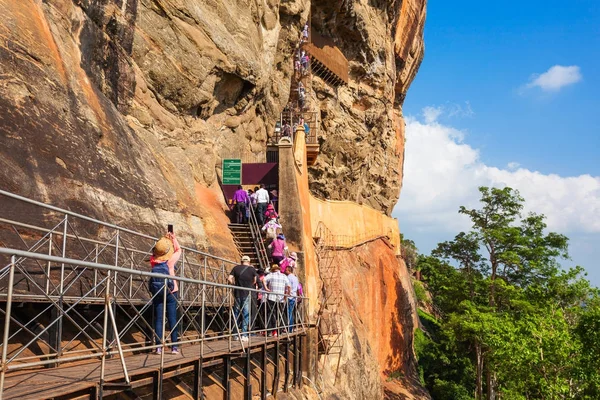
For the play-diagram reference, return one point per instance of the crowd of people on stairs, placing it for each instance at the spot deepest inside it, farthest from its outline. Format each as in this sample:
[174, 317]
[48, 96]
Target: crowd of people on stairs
[275, 305]
[274, 308]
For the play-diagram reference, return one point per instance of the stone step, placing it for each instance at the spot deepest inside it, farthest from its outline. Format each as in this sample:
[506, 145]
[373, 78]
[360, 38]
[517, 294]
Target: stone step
[244, 240]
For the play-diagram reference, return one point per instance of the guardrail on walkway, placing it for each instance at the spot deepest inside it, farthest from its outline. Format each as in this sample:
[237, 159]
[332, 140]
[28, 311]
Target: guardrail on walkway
[79, 237]
[346, 242]
[353, 224]
[60, 331]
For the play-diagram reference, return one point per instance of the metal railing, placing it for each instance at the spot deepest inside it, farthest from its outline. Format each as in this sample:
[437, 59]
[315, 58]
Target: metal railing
[346, 242]
[61, 331]
[79, 237]
[257, 238]
[77, 290]
[293, 118]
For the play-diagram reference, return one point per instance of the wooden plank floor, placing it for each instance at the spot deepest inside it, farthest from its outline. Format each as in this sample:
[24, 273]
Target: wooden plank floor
[63, 380]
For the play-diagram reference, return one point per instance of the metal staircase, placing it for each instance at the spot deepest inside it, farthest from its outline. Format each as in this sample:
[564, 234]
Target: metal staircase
[249, 241]
[242, 236]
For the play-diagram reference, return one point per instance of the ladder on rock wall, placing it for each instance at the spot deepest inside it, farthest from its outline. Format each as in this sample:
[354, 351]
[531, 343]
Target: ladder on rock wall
[329, 322]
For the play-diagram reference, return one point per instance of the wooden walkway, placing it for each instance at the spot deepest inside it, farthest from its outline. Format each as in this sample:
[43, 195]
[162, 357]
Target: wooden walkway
[81, 378]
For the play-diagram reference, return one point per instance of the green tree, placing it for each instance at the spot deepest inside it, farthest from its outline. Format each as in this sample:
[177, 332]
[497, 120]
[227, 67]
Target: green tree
[510, 317]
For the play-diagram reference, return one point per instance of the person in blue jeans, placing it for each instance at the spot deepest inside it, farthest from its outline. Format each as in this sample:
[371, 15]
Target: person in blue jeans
[165, 254]
[243, 276]
[291, 301]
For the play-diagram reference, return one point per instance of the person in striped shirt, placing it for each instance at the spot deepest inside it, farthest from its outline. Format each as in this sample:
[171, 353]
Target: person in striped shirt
[278, 286]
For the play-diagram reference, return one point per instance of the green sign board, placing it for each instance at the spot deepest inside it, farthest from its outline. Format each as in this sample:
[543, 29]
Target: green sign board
[232, 171]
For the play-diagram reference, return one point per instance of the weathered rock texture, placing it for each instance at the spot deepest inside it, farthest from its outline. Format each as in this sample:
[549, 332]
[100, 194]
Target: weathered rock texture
[377, 318]
[362, 146]
[123, 109]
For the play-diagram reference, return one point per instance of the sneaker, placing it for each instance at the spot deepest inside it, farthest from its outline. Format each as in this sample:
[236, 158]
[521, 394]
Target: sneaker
[159, 351]
[174, 350]
[274, 334]
[244, 338]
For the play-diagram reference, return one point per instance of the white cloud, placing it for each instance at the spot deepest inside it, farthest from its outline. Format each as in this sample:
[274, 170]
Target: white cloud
[441, 173]
[431, 114]
[556, 78]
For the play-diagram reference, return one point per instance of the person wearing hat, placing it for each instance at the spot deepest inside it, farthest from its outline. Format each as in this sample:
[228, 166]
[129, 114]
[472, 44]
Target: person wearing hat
[165, 254]
[278, 287]
[243, 276]
[278, 248]
[271, 213]
[288, 262]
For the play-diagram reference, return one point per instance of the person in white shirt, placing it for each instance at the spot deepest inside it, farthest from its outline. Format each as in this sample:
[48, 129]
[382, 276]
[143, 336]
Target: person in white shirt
[262, 199]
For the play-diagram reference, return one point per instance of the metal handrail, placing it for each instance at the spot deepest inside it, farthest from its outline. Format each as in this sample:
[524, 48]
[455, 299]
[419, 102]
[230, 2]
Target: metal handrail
[102, 223]
[192, 330]
[259, 245]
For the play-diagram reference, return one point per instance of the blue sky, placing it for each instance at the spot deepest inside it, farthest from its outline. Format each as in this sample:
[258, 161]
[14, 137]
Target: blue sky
[507, 83]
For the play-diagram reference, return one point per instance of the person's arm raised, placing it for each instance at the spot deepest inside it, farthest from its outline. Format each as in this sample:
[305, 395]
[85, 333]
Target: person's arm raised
[176, 254]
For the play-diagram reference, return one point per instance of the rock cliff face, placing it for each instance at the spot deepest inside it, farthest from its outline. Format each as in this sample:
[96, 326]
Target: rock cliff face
[377, 316]
[123, 109]
[363, 129]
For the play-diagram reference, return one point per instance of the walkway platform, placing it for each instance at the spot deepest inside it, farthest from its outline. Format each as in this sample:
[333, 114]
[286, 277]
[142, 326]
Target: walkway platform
[82, 380]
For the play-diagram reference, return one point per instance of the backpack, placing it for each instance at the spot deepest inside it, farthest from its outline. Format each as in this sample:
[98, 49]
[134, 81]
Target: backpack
[271, 231]
[155, 285]
[284, 264]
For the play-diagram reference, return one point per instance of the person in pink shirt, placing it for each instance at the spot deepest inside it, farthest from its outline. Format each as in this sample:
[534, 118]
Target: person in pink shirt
[288, 262]
[165, 254]
[278, 248]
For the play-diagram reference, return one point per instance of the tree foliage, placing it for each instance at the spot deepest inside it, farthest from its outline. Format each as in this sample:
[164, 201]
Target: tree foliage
[512, 324]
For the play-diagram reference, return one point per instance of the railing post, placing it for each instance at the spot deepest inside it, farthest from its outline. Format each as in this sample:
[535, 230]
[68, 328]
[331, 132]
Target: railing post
[7, 316]
[117, 244]
[116, 333]
[48, 268]
[266, 320]
[203, 319]
[64, 255]
[96, 272]
[131, 280]
[182, 284]
[55, 332]
[227, 291]
[162, 338]
[105, 333]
